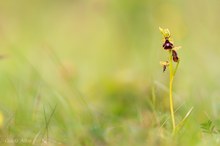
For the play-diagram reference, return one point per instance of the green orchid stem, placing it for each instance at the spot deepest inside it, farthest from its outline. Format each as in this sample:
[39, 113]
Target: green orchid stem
[171, 88]
[174, 73]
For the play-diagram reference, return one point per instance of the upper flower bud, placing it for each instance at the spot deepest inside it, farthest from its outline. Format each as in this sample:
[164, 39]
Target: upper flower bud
[165, 32]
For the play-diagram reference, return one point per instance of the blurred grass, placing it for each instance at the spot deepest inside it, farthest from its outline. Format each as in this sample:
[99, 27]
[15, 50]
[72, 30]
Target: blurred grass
[97, 62]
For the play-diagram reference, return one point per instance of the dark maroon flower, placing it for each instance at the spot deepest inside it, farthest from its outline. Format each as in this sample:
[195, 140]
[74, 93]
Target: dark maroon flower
[167, 45]
[175, 56]
[164, 64]
[164, 68]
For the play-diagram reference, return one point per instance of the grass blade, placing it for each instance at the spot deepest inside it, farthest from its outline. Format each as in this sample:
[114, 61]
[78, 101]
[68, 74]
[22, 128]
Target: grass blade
[182, 123]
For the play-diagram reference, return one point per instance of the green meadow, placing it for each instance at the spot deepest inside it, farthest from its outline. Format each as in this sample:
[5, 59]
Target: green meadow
[88, 73]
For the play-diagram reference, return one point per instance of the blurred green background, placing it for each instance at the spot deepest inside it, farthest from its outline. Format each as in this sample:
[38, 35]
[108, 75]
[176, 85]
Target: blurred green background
[87, 72]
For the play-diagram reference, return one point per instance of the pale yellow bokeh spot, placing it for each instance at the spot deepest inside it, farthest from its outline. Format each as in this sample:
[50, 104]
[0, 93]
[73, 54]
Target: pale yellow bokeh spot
[1, 120]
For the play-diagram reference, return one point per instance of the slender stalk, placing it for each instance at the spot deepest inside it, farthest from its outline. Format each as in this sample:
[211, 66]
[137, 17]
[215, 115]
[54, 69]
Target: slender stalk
[174, 73]
[171, 95]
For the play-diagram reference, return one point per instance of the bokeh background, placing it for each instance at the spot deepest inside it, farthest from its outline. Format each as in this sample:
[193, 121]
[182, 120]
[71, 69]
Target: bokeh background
[87, 72]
